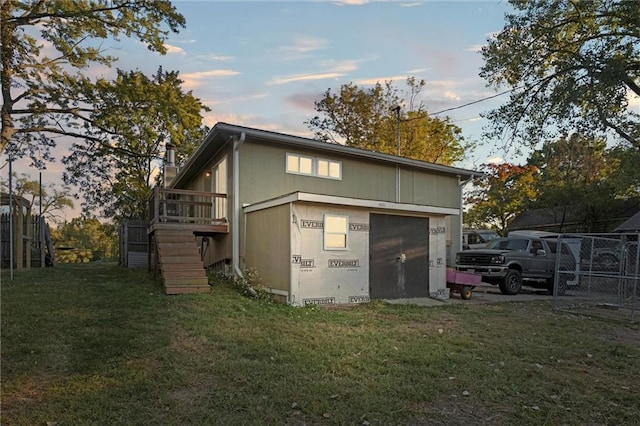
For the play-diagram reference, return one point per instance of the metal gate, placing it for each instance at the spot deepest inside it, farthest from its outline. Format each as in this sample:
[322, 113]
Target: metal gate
[399, 250]
[609, 277]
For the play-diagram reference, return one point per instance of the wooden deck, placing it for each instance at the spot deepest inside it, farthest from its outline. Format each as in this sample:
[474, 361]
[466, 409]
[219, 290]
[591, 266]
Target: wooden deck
[177, 217]
[198, 212]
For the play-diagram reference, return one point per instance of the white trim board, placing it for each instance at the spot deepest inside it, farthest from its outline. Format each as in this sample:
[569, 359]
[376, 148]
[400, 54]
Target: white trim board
[351, 202]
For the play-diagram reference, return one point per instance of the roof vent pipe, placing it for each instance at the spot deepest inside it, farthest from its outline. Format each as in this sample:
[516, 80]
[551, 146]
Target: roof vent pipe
[171, 155]
[170, 169]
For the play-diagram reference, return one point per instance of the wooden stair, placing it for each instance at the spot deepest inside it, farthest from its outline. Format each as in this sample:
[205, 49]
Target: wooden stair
[180, 263]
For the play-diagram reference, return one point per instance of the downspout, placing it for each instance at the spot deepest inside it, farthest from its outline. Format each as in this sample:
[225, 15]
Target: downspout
[235, 235]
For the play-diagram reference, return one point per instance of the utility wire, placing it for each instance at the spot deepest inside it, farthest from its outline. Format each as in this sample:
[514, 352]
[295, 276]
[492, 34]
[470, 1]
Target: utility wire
[475, 102]
[462, 106]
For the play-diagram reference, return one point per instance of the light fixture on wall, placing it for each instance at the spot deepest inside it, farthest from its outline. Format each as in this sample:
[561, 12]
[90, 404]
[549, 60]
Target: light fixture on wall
[208, 174]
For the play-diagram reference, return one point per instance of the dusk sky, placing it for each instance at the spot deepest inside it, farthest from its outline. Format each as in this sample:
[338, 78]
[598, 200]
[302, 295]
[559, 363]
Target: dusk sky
[262, 63]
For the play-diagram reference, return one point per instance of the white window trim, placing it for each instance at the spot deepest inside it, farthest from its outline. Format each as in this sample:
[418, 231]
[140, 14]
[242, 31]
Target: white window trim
[346, 233]
[329, 162]
[314, 166]
[298, 157]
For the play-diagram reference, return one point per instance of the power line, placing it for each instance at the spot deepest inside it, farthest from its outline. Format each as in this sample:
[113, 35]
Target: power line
[475, 102]
[461, 106]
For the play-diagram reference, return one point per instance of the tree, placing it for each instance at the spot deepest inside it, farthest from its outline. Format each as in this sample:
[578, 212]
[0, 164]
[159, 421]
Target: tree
[573, 178]
[54, 198]
[88, 238]
[625, 174]
[572, 66]
[45, 46]
[504, 192]
[368, 119]
[138, 115]
[580, 179]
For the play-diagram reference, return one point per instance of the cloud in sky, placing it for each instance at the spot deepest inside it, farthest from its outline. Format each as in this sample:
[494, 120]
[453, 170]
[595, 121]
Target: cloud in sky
[195, 79]
[304, 77]
[304, 45]
[303, 101]
[333, 70]
[495, 160]
[237, 99]
[171, 49]
[350, 2]
[475, 48]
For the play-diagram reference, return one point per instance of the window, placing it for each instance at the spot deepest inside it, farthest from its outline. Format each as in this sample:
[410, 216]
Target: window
[329, 169]
[335, 232]
[311, 166]
[219, 184]
[299, 164]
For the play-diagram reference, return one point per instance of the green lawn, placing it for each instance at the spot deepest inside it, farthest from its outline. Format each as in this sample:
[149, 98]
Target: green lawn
[100, 344]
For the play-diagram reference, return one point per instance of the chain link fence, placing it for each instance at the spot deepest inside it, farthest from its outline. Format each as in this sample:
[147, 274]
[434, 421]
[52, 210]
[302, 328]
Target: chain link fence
[608, 276]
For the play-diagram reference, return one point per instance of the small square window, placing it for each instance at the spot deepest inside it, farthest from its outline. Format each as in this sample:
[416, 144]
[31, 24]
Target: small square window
[335, 232]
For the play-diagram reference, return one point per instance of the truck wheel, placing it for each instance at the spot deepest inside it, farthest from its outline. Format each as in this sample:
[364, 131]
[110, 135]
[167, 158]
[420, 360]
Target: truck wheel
[466, 292]
[511, 283]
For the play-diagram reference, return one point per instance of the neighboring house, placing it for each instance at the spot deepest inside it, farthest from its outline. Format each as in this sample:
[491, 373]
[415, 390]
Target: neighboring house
[630, 225]
[320, 223]
[567, 220]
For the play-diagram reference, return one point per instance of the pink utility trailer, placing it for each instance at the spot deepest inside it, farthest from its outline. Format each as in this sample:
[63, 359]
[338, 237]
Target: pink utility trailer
[463, 282]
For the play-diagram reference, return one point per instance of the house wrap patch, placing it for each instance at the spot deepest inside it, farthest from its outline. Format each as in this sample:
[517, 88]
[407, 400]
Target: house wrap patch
[328, 276]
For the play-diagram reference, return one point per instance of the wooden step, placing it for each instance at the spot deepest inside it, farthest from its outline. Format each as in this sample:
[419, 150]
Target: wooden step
[186, 289]
[174, 282]
[178, 251]
[180, 259]
[180, 262]
[179, 238]
[184, 273]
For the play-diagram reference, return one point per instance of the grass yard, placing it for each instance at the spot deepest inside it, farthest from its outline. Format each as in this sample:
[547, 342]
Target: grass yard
[100, 344]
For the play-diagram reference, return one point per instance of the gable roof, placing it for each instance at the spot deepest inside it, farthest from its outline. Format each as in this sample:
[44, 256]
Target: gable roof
[223, 133]
[630, 225]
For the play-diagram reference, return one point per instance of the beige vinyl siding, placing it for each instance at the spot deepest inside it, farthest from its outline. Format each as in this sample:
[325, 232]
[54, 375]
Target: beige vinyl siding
[267, 248]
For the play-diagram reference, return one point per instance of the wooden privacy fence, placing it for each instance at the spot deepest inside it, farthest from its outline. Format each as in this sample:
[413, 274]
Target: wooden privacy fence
[133, 242]
[32, 246]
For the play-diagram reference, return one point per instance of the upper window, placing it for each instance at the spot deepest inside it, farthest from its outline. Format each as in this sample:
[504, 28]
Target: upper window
[335, 232]
[299, 164]
[311, 166]
[329, 169]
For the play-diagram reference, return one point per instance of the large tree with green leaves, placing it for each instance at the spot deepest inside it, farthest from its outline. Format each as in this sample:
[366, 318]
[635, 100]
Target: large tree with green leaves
[505, 191]
[138, 115]
[89, 238]
[46, 47]
[49, 199]
[573, 176]
[581, 180]
[572, 66]
[367, 118]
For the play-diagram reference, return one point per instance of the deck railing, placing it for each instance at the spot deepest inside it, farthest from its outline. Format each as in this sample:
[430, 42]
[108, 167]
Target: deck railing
[184, 206]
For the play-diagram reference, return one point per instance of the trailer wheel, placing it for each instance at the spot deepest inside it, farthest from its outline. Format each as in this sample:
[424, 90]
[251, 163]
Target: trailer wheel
[466, 292]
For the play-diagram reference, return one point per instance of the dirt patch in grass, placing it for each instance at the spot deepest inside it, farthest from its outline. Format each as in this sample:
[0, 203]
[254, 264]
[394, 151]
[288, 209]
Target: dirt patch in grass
[27, 390]
[456, 410]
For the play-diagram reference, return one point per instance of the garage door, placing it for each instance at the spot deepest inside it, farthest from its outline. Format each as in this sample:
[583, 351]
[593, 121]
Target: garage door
[399, 250]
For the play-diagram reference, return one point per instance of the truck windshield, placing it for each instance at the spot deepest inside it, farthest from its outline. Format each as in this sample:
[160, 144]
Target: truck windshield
[509, 244]
[488, 236]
